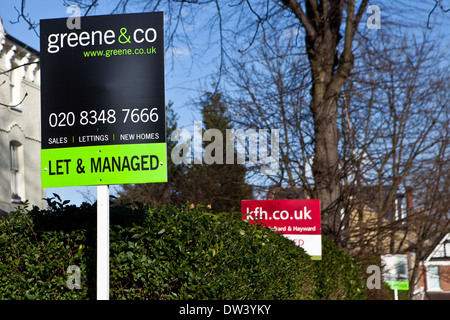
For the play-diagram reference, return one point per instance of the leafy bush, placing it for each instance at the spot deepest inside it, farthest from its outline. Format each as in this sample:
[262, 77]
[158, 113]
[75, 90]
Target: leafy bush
[162, 253]
[33, 265]
[338, 276]
[191, 254]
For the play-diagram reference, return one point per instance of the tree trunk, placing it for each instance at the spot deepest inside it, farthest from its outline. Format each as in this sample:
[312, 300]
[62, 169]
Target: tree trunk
[322, 22]
[325, 164]
[322, 55]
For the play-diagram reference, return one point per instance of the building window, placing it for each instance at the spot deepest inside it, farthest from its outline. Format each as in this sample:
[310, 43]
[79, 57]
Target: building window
[14, 83]
[16, 171]
[433, 278]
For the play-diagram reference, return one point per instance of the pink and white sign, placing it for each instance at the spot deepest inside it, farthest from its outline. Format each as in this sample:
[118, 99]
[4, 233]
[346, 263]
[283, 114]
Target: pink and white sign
[298, 220]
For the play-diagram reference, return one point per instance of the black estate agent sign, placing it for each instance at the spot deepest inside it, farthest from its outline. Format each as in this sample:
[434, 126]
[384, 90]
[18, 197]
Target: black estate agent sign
[102, 101]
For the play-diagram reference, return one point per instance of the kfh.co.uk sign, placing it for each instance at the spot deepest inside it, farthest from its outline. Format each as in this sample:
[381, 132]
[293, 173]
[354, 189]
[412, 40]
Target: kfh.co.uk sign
[298, 220]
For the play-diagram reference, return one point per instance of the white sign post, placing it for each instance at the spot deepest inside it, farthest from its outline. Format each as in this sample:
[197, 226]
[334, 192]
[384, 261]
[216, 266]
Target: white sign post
[100, 127]
[103, 242]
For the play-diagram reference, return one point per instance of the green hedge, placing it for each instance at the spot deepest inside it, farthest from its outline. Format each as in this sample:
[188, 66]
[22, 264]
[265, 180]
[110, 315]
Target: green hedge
[338, 276]
[164, 253]
[33, 265]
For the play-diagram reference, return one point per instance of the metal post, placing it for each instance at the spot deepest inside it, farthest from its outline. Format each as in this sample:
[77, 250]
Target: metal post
[102, 242]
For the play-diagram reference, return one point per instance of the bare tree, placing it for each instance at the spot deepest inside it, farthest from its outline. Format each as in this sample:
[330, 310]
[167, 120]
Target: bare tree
[330, 56]
[269, 88]
[395, 147]
[391, 122]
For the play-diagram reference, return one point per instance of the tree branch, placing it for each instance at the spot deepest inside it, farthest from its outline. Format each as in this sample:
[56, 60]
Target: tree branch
[361, 10]
[25, 17]
[19, 66]
[16, 105]
[295, 7]
[436, 3]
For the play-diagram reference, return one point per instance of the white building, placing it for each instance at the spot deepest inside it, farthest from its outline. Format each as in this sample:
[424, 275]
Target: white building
[20, 131]
[434, 282]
